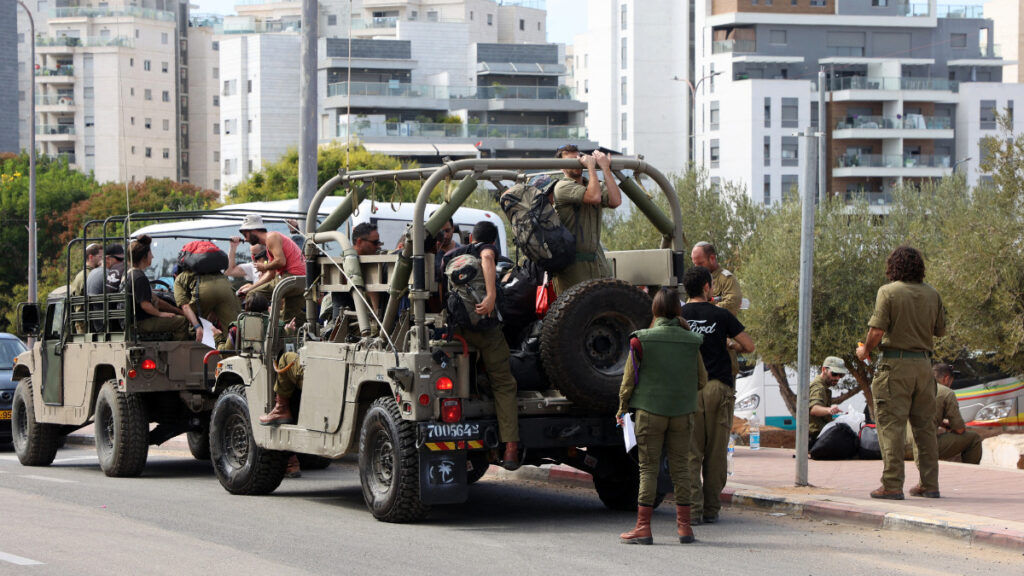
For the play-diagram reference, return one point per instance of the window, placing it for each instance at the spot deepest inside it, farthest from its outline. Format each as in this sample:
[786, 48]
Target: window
[21, 37]
[21, 95]
[777, 37]
[790, 151]
[148, 94]
[958, 40]
[623, 18]
[163, 37]
[148, 123]
[714, 115]
[215, 46]
[248, 126]
[216, 155]
[622, 90]
[229, 88]
[167, 124]
[790, 112]
[988, 114]
[767, 150]
[166, 153]
[149, 152]
[164, 67]
[714, 152]
[248, 86]
[133, 150]
[622, 56]
[882, 3]
[490, 19]
[216, 128]
[432, 16]
[767, 189]
[216, 73]
[716, 185]
[818, 3]
[90, 150]
[131, 62]
[522, 24]
[332, 20]
[216, 100]
[132, 120]
[146, 65]
[538, 26]
[249, 165]
[165, 96]
[472, 16]
[790, 186]
[767, 112]
[136, 33]
[1009, 111]
[623, 133]
[131, 91]
[792, 2]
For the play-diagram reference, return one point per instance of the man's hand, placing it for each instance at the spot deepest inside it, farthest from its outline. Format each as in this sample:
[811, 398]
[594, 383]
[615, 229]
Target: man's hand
[486, 307]
[833, 410]
[588, 161]
[244, 290]
[199, 333]
[619, 421]
[167, 315]
[260, 266]
[603, 160]
[235, 241]
[862, 353]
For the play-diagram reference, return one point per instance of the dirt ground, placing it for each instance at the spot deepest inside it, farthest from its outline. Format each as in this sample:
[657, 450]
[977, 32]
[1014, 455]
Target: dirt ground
[772, 437]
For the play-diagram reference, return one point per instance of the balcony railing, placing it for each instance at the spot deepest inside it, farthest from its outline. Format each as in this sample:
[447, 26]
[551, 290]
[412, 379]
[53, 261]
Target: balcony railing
[892, 161]
[961, 11]
[506, 131]
[879, 83]
[869, 196]
[733, 45]
[52, 129]
[87, 41]
[86, 12]
[54, 100]
[446, 92]
[379, 22]
[62, 71]
[909, 122]
[69, 156]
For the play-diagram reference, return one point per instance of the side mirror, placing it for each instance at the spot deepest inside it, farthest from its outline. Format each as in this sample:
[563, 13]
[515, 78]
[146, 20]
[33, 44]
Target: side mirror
[29, 319]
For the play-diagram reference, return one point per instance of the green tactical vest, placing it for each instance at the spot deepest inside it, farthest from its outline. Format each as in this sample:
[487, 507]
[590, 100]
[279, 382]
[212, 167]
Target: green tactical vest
[668, 372]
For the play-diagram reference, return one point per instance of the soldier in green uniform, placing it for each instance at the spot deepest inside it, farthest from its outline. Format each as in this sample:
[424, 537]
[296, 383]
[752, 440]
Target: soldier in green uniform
[663, 373]
[724, 286]
[908, 315]
[199, 295]
[820, 396]
[93, 260]
[578, 201]
[954, 439]
[152, 315]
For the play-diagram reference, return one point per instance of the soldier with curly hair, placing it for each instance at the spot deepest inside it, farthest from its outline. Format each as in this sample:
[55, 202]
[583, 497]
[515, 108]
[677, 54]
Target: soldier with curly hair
[908, 315]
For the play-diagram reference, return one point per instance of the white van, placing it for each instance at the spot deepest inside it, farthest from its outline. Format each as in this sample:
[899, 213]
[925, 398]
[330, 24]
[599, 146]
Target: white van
[759, 391]
[168, 238]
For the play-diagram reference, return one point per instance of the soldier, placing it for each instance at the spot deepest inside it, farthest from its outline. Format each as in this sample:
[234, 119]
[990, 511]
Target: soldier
[713, 421]
[93, 259]
[820, 396]
[578, 201]
[954, 439]
[284, 260]
[151, 315]
[725, 288]
[908, 315]
[199, 295]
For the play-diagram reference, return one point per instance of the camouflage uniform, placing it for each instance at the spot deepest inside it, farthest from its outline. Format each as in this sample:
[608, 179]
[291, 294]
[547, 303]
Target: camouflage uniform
[967, 445]
[584, 221]
[208, 294]
[818, 395]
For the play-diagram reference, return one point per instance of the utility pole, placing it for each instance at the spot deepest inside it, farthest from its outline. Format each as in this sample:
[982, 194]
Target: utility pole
[803, 360]
[307, 107]
[33, 259]
[823, 129]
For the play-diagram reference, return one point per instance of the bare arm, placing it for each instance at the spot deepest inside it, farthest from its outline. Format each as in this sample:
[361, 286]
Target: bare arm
[490, 272]
[187, 311]
[276, 248]
[614, 194]
[234, 271]
[742, 343]
[871, 342]
[149, 308]
[822, 411]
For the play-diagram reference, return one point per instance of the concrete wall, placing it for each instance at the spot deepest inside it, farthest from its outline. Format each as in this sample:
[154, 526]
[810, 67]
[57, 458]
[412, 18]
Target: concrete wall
[1009, 19]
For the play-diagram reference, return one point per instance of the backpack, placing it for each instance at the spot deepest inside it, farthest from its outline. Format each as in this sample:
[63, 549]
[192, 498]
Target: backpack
[869, 448]
[536, 228]
[202, 257]
[837, 441]
[467, 288]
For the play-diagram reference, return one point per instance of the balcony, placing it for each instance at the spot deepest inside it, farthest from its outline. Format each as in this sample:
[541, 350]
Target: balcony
[909, 126]
[733, 46]
[374, 23]
[446, 92]
[872, 197]
[890, 165]
[879, 83]
[74, 42]
[61, 75]
[961, 11]
[368, 129]
[55, 103]
[87, 12]
[55, 132]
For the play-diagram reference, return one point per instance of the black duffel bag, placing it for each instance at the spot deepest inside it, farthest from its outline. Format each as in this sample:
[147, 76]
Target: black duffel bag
[837, 441]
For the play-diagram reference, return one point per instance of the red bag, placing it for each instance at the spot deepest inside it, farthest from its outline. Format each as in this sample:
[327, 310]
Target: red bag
[545, 296]
[202, 257]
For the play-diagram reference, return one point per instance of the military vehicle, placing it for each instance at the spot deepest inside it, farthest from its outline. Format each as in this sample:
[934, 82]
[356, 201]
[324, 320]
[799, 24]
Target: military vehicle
[406, 396]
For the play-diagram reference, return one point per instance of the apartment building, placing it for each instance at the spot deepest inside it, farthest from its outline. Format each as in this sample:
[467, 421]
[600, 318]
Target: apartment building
[910, 90]
[9, 93]
[1009, 16]
[203, 108]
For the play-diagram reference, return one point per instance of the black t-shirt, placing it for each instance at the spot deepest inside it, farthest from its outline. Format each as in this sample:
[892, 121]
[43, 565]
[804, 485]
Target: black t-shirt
[716, 325]
[138, 289]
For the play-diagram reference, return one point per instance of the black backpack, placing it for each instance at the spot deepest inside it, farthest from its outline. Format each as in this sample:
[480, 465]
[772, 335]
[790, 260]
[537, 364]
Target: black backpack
[836, 442]
[202, 257]
[537, 230]
[467, 288]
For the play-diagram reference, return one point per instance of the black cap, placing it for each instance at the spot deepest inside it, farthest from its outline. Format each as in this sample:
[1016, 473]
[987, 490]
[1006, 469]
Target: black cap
[115, 250]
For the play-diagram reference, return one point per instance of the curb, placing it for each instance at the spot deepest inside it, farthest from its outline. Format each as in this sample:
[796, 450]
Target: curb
[973, 533]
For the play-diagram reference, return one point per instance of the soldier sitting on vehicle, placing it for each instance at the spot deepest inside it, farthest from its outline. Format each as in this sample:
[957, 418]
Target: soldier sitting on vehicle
[152, 315]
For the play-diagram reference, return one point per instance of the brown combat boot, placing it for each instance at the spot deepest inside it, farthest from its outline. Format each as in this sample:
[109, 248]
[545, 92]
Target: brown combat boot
[293, 469]
[510, 461]
[641, 534]
[683, 525]
[281, 414]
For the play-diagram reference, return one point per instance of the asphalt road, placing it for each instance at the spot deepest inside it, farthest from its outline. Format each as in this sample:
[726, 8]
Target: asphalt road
[176, 519]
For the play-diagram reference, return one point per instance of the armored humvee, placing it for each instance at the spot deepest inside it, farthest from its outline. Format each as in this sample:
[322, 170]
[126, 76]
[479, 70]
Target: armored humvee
[404, 395]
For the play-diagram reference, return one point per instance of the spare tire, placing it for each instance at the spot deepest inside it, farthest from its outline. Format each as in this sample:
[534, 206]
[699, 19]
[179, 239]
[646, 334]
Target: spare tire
[585, 340]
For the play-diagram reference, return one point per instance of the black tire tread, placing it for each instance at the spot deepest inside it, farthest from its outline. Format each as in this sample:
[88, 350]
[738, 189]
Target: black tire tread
[480, 467]
[41, 440]
[131, 452]
[407, 506]
[199, 444]
[313, 462]
[269, 467]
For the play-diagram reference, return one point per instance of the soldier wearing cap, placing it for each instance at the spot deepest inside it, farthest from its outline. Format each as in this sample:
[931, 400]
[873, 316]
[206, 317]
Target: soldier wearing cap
[107, 278]
[820, 396]
[93, 259]
[284, 259]
[908, 316]
[578, 201]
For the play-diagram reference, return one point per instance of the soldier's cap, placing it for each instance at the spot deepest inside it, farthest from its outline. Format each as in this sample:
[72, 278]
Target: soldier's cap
[835, 365]
[115, 251]
[252, 222]
[565, 148]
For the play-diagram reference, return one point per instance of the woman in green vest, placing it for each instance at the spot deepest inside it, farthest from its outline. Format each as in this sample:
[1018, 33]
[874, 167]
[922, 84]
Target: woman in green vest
[663, 373]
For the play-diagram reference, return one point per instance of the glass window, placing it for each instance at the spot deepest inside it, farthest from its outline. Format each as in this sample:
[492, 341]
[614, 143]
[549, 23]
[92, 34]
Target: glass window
[714, 115]
[165, 96]
[148, 94]
[215, 46]
[163, 37]
[714, 152]
[164, 67]
[490, 19]
[166, 153]
[988, 114]
[767, 112]
[216, 100]
[790, 112]
[167, 124]
[622, 90]
[522, 24]
[767, 150]
[767, 189]
[149, 152]
[146, 65]
[790, 151]
[216, 128]
[623, 16]
[332, 19]
[818, 3]
[623, 55]
[623, 132]
[790, 186]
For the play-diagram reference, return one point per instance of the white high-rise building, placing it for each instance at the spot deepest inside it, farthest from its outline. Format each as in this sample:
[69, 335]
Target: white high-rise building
[203, 108]
[1009, 18]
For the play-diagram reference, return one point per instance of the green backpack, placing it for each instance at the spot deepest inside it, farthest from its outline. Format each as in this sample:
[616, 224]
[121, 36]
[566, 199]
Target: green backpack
[467, 288]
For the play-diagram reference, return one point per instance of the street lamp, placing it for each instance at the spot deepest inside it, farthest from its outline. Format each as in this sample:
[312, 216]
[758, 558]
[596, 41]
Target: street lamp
[957, 163]
[32, 264]
[693, 106]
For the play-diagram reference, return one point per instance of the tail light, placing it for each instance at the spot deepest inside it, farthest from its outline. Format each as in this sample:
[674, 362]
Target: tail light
[424, 400]
[451, 410]
[148, 364]
[132, 373]
[444, 384]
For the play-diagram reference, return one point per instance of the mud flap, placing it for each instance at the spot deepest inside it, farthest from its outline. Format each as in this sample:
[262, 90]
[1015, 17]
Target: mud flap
[443, 477]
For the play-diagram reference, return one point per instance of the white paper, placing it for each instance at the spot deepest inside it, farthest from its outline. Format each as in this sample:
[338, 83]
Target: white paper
[628, 433]
[207, 333]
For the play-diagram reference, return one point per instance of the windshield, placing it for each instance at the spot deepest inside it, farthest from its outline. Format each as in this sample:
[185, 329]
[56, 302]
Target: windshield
[8, 350]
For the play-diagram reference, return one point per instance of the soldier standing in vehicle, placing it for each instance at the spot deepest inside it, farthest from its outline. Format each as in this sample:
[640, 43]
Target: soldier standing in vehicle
[149, 317]
[908, 315]
[663, 373]
[820, 396]
[284, 260]
[93, 259]
[490, 342]
[97, 283]
[199, 295]
[578, 201]
[713, 422]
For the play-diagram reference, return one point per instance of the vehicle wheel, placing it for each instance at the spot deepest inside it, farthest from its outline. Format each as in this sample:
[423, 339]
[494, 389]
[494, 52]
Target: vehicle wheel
[389, 465]
[241, 465]
[34, 443]
[480, 463]
[122, 432]
[585, 340]
[199, 444]
[618, 484]
[313, 462]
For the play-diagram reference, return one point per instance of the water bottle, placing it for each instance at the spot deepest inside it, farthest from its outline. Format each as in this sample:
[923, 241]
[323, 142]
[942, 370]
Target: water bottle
[755, 433]
[731, 453]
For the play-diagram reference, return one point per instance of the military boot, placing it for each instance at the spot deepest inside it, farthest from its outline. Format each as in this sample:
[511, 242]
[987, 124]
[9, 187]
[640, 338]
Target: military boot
[683, 525]
[281, 414]
[641, 534]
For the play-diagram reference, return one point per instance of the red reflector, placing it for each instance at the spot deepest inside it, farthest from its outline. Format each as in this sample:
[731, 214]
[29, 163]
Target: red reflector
[444, 383]
[451, 410]
[424, 400]
[148, 364]
[132, 373]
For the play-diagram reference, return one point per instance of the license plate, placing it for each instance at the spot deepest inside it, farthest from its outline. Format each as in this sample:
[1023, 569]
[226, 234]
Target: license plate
[5, 414]
[452, 431]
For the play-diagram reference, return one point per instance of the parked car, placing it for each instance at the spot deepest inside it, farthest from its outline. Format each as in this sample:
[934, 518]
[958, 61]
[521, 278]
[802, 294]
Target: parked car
[10, 347]
[757, 390]
[987, 396]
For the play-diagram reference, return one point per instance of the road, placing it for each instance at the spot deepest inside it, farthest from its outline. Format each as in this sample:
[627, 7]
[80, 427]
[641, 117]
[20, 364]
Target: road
[176, 519]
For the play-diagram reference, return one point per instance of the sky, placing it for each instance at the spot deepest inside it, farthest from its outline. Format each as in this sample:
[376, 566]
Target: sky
[566, 18]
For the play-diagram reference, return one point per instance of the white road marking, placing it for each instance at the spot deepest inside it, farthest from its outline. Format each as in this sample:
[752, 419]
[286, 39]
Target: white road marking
[18, 560]
[48, 479]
